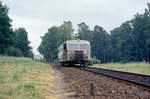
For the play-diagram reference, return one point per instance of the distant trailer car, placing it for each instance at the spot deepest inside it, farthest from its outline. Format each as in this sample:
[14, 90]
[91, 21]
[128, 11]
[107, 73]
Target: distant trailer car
[74, 52]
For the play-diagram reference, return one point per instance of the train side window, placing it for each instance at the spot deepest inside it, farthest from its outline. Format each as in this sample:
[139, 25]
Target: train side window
[65, 47]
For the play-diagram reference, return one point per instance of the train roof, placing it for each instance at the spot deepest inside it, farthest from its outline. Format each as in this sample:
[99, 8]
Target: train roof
[78, 41]
[75, 41]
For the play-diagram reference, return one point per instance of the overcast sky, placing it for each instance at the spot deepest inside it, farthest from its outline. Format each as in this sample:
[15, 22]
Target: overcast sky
[39, 15]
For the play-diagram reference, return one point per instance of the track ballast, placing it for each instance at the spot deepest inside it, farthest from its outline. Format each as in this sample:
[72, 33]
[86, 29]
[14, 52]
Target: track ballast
[139, 79]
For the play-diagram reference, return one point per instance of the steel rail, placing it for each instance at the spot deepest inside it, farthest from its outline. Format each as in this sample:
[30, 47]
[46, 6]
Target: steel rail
[139, 79]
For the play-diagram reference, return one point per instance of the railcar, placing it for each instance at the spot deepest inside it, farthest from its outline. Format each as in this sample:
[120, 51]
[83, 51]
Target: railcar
[74, 52]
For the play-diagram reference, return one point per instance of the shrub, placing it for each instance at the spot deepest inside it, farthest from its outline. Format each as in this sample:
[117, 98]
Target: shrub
[10, 91]
[14, 52]
[93, 61]
[29, 86]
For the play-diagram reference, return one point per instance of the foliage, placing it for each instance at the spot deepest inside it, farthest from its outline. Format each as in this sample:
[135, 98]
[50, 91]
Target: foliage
[99, 39]
[126, 43]
[130, 41]
[6, 34]
[14, 52]
[93, 61]
[53, 38]
[84, 33]
[29, 86]
[100, 44]
[22, 43]
[12, 43]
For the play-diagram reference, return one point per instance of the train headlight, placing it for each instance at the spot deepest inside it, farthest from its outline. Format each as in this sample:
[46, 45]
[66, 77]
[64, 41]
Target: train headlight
[71, 55]
[86, 54]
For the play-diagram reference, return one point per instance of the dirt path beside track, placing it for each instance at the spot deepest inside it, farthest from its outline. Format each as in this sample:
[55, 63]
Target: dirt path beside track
[57, 88]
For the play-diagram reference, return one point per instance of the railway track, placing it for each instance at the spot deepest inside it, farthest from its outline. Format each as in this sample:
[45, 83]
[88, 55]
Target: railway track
[139, 79]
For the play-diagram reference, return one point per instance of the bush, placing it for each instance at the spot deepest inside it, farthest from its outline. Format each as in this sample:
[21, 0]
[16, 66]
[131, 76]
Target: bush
[14, 52]
[93, 61]
[30, 55]
[10, 92]
[29, 86]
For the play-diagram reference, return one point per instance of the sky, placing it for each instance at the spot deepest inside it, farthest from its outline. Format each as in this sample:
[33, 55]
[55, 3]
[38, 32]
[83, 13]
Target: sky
[36, 16]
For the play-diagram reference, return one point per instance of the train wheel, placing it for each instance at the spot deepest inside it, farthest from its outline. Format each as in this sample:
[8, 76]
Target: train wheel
[82, 64]
[63, 64]
[70, 64]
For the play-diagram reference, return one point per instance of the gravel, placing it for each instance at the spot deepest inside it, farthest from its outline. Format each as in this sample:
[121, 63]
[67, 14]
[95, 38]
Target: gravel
[87, 85]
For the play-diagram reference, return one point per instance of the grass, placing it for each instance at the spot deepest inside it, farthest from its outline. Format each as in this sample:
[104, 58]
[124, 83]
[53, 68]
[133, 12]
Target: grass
[23, 78]
[135, 67]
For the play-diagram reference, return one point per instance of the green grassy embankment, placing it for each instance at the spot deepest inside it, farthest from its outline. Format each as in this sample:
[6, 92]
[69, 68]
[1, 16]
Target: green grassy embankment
[137, 67]
[23, 78]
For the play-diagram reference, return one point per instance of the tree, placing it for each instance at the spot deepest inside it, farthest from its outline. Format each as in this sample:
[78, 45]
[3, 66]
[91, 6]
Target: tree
[122, 43]
[53, 39]
[99, 39]
[65, 32]
[148, 50]
[48, 45]
[22, 43]
[6, 34]
[100, 44]
[130, 41]
[84, 32]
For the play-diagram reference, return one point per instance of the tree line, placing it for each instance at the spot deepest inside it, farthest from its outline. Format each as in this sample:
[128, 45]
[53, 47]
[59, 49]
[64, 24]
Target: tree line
[12, 42]
[126, 43]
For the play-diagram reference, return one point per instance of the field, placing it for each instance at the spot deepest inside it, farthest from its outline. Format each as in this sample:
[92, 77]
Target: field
[139, 67]
[23, 78]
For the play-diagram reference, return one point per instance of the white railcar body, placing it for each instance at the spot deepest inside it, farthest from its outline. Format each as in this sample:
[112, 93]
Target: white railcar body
[74, 52]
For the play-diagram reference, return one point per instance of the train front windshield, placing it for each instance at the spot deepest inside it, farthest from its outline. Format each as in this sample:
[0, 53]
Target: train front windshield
[84, 47]
[73, 47]
[78, 47]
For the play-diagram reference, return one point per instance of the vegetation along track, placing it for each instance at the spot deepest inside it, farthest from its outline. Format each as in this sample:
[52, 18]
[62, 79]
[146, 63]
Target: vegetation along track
[139, 79]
